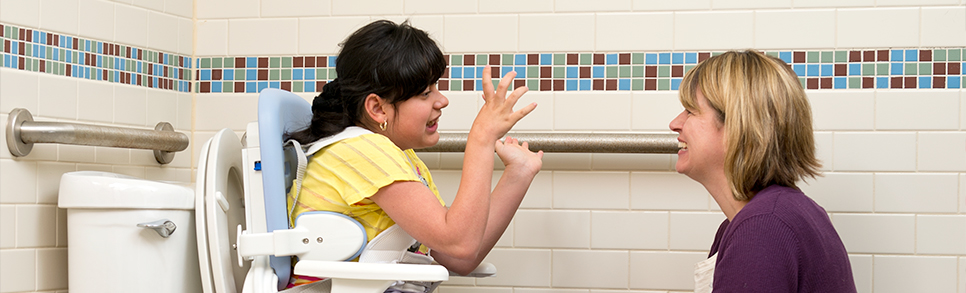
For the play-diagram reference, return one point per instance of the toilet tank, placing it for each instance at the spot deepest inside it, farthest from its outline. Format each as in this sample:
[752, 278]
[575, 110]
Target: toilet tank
[115, 227]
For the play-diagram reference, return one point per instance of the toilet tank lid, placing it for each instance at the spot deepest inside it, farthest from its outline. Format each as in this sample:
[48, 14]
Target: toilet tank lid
[93, 189]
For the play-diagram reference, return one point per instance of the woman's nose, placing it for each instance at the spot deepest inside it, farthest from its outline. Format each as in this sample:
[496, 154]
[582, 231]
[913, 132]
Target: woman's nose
[678, 121]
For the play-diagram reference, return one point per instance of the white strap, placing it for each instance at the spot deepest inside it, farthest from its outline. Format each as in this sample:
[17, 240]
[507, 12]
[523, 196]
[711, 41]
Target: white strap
[313, 147]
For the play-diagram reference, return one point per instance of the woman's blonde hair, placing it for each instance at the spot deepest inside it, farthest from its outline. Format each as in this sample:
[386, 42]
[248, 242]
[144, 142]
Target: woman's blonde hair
[766, 116]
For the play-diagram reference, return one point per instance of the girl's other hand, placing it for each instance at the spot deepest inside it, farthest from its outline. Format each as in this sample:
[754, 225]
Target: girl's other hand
[518, 156]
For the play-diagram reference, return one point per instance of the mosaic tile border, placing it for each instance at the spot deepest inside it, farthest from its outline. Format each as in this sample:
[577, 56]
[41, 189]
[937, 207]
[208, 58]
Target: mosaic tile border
[39, 51]
[633, 71]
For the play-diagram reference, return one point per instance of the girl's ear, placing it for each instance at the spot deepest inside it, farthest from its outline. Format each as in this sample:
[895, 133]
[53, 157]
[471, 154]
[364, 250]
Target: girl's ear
[376, 108]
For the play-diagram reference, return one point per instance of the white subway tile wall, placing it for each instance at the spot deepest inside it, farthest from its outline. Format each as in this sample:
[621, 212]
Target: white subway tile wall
[894, 159]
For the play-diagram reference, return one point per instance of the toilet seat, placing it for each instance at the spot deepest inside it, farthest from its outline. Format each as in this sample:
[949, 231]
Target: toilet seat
[219, 211]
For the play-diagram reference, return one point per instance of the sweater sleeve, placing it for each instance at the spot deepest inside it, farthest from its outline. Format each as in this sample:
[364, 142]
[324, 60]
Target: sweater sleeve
[759, 255]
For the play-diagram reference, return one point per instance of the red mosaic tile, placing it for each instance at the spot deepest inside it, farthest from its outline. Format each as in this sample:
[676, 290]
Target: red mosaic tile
[297, 62]
[825, 83]
[495, 72]
[558, 84]
[239, 87]
[205, 87]
[598, 84]
[584, 72]
[798, 57]
[469, 59]
[610, 84]
[841, 70]
[650, 71]
[546, 85]
[573, 59]
[533, 59]
[624, 58]
[895, 82]
[599, 59]
[468, 85]
[938, 82]
[925, 55]
[240, 62]
[650, 84]
[519, 83]
[953, 68]
[494, 59]
[703, 56]
[939, 68]
[677, 70]
[263, 74]
[811, 83]
[868, 56]
[546, 72]
[909, 82]
[286, 85]
[882, 55]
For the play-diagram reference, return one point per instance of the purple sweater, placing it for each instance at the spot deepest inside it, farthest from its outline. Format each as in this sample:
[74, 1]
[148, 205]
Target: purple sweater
[781, 241]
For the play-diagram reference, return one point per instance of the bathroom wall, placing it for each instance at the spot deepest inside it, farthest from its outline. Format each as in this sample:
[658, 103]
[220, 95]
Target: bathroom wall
[114, 63]
[884, 78]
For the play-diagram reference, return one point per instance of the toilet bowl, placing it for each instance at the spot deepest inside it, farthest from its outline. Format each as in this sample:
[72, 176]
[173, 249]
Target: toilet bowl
[126, 234]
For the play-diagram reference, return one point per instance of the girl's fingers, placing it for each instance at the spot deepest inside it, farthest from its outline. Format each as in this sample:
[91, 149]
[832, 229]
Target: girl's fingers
[505, 83]
[487, 81]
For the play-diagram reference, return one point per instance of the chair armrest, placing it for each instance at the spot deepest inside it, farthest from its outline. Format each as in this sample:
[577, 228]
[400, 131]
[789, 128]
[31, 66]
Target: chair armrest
[484, 270]
[371, 271]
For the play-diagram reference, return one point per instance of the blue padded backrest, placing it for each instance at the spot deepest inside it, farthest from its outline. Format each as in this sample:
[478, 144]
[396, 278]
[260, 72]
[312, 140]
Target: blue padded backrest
[279, 112]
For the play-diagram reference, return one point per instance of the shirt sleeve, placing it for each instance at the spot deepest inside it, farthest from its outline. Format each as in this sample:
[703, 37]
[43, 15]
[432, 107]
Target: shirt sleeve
[760, 255]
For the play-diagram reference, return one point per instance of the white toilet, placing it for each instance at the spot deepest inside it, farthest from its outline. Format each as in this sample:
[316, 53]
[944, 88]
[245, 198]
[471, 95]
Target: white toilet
[127, 234]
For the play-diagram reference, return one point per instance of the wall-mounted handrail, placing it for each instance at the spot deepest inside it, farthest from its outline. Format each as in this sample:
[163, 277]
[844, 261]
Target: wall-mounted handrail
[23, 132]
[652, 143]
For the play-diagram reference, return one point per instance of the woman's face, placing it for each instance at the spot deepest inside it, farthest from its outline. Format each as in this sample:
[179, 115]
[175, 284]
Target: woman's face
[703, 138]
[414, 122]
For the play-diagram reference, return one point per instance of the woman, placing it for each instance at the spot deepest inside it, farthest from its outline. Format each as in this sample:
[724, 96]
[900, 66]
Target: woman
[746, 133]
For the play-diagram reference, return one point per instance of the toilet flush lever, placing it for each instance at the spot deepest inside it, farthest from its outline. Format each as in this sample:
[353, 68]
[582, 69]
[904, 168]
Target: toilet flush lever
[164, 227]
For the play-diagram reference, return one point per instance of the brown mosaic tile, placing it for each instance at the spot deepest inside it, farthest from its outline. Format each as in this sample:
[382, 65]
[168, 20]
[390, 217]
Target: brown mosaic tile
[841, 70]
[584, 72]
[239, 87]
[320, 84]
[286, 85]
[150, 82]
[868, 56]
[610, 84]
[494, 59]
[558, 84]
[882, 55]
[953, 68]
[546, 72]
[6, 46]
[297, 62]
[677, 71]
[624, 58]
[240, 62]
[151, 72]
[22, 50]
[703, 56]
[445, 72]
[43, 66]
[309, 61]
[811, 83]
[263, 74]
[468, 85]
[825, 82]
[442, 85]
[938, 82]
[21, 64]
[650, 84]
[546, 85]
[519, 83]
[205, 87]
[925, 55]
[909, 82]
[599, 59]
[75, 42]
[469, 59]
[855, 56]
[650, 71]
[598, 84]
[30, 35]
[533, 59]
[798, 57]
[939, 68]
[104, 75]
[895, 82]
[573, 59]
[139, 79]
[495, 72]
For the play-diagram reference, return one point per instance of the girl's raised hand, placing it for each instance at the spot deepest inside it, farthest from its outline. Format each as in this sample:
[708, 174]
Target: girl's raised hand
[497, 116]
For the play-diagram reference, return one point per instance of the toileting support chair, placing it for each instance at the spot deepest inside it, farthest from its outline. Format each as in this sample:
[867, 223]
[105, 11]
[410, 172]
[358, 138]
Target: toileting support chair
[324, 241]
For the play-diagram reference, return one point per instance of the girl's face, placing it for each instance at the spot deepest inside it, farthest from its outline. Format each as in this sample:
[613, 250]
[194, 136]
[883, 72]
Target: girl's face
[703, 135]
[414, 122]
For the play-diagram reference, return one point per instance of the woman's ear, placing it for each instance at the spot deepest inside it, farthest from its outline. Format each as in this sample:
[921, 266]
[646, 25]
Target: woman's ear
[376, 108]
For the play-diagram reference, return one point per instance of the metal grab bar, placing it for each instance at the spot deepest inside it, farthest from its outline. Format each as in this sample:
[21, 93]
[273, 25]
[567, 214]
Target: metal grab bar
[23, 132]
[652, 143]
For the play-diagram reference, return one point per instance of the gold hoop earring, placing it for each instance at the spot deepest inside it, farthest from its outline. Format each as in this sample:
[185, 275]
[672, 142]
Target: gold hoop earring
[383, 125]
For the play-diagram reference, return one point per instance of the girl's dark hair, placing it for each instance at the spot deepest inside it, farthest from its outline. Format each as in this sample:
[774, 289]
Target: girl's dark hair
[394, 61]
